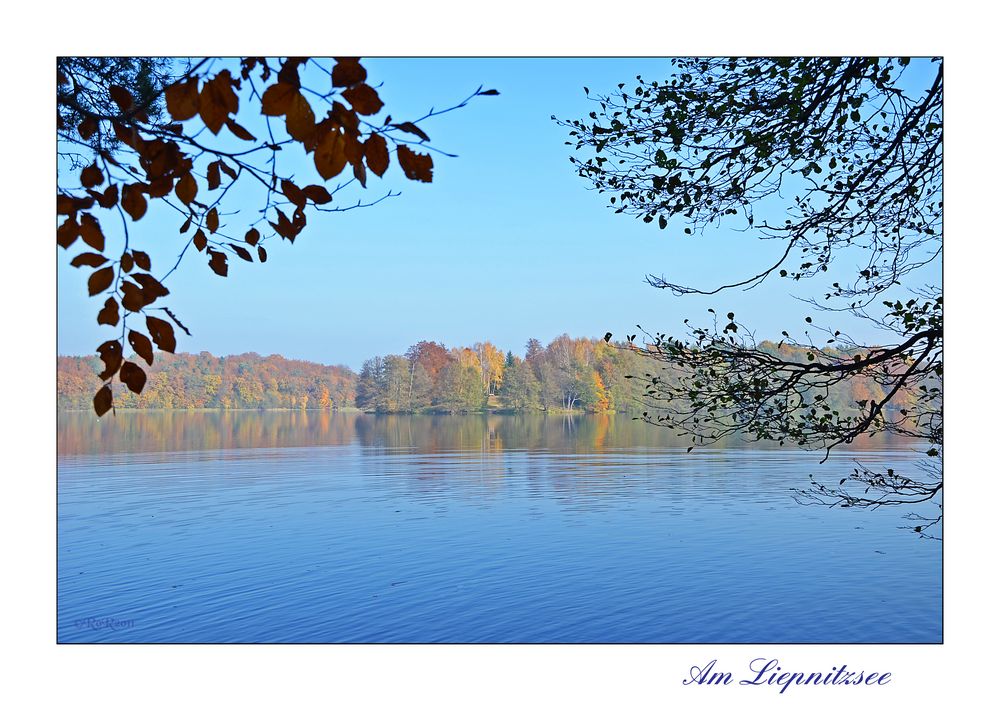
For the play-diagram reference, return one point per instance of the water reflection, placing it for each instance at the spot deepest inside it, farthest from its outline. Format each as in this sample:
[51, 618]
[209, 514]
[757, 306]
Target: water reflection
[201, 430]
[323, 527]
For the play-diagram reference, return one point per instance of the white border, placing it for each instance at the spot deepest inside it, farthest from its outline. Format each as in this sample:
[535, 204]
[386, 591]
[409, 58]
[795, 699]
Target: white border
[151, 679]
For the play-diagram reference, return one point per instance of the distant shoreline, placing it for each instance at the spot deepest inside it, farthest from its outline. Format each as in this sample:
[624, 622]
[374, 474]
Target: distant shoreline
[345, 410]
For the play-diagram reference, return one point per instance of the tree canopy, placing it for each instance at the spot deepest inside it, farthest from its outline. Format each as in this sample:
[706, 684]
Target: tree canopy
[135, 133]
[848, 152]
[569, 374]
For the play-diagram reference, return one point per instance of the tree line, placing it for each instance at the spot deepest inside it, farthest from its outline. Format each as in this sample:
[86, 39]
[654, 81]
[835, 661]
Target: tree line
[568, 374]
[189, 381]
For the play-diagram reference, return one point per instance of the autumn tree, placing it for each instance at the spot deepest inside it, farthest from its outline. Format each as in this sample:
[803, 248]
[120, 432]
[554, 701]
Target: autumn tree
[144, 136]
[371, 385]
[837, 162]
[461, 388]
[491, 364]
[185, 381]
[520, 389]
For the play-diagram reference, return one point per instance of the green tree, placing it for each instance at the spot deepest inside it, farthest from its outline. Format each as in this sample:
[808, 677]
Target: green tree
[371, 381]
[397, 385]
[463, 389]
[520, 389]
[854, 146]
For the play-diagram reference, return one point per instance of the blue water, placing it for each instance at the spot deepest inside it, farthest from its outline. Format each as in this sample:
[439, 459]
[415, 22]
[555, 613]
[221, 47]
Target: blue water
[462, 529]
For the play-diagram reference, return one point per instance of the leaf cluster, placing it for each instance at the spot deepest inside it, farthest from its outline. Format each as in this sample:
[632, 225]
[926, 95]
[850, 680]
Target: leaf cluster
[134, 135]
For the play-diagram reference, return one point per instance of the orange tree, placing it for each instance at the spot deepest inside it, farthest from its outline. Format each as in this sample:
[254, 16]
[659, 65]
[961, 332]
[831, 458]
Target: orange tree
[139, 132]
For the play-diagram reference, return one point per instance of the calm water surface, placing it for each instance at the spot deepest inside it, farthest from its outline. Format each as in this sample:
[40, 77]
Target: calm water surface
[318, 527]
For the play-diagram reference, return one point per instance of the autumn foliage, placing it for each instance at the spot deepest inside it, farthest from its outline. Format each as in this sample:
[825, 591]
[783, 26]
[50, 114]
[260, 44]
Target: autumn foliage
[568, 374]
[184, 145]
[203, 381]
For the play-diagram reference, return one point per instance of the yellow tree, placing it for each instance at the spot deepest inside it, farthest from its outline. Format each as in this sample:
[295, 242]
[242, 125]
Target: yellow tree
[491, 362]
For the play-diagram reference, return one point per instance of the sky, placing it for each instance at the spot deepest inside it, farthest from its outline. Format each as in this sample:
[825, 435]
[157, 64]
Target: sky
[506, 244]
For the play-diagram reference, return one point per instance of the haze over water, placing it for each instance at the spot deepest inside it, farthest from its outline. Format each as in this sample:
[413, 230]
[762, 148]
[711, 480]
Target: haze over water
[318, 527]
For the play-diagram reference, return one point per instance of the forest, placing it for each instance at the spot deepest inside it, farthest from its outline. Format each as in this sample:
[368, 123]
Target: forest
[567, 375]
[189, 381]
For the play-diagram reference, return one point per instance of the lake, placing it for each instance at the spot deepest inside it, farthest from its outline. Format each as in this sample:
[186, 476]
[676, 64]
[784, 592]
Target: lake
[322, 527]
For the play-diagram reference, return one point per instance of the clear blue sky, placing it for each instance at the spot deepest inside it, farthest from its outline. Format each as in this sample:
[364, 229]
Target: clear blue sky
[506, 244]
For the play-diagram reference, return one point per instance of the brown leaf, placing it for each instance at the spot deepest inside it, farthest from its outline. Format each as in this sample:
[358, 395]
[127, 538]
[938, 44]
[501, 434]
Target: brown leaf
[91, 176]
[417, 167]
[142, 260]
[182, 99]
[354, 151]
[248, 63]
[187, 188]
[68, 232]
[329, 157]
[261, 254]
[162, 159]
[111, 355]
[359, 174]
[348, 72]
[100, 280]
[239, 131]
[133, 201]
[102, 401]
[186, 225]
[212, 220]
[376, 154]
[122, 97]
[133, 376]
[162, 333]
[127, 263]
[300, 121]
[217, 101]
[293, 193]
[133, 299]
[253, 235]
[277, 99]
[412, 128]
[228, 169]
[346, 118]
[158, 188]
[289, 229]
[363, 99]
[108, 315]
[151, 288]
[93, 260]
[213, 176]
[90, 232]
[242, 252]
[127, 135]
[289, 72]
[317, 194]
[142, 346]
[108, 198]
[200, 240]
[218, 262]
[87, 128]
[66, 204]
